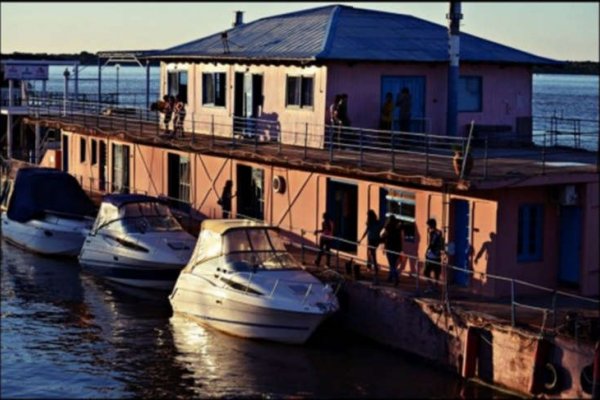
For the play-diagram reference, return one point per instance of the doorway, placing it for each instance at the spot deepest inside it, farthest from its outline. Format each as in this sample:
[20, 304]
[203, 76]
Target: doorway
[250, 192]
[342, 207]
[65, 153]
[461, 232]
[416, 88]
[570, 245]
[102, 166]
[247, 103]
[120, 168]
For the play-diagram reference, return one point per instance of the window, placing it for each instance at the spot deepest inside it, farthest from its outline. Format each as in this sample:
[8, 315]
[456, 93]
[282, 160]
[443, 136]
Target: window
[401, 204]
[82, 148]
[469, 94]
[94, 152]
[179, 181]
[177, 84]
[529, 237]
[299, 91]
[214, 89]
[120, 168]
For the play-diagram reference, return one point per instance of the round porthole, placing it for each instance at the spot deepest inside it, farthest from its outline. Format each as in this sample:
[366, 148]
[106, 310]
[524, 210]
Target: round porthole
[279, 184]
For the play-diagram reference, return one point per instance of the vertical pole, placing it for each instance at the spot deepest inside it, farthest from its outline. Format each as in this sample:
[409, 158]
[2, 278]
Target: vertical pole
[454, 17]
[66, 90]
[99, 81]
[118, 67]
[76, 77]
[360, 142]
[9, 136]
[302, 232]
[305, 138]
[512, 303]
[147, 84]
[38, 139]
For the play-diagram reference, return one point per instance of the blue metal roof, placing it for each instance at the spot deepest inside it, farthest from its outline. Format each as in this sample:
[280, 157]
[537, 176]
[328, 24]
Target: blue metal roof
[344, 33]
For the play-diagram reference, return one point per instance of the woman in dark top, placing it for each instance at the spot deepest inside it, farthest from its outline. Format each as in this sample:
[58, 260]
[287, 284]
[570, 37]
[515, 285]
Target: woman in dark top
[372, 233]
[392, 237]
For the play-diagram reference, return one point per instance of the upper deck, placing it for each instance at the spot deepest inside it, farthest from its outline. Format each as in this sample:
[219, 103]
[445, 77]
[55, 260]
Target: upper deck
[409, 158]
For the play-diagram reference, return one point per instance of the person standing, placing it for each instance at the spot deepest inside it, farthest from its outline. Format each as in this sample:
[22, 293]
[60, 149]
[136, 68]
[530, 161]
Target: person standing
[392, 237]
[325, 239]
[387, 113]
[334, 121]
[404, 103]
[344, 121]
[433, 255]
[372, 233]
[168, 111]
[179, 116]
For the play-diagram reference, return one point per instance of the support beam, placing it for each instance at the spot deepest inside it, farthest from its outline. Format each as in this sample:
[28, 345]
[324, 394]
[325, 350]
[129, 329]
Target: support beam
[38, 142]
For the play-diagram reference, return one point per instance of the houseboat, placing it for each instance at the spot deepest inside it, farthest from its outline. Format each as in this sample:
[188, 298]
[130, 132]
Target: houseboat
[258, 97]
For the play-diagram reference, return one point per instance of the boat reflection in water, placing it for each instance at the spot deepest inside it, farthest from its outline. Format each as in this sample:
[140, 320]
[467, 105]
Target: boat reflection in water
[242, 280]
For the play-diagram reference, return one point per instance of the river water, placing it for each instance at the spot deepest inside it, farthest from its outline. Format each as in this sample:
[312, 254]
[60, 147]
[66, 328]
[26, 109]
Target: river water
[67, 334]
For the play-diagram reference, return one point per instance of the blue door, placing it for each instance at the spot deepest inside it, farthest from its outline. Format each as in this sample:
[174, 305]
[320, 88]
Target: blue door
[416, 88]
[570, 244]
[460, 216]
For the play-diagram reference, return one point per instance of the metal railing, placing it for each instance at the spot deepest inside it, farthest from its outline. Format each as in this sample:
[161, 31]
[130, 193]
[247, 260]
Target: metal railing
[409, 152]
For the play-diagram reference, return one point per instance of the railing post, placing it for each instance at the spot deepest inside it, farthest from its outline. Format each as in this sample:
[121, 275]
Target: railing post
[485, 157]
[393, 151]
[360, 143]
[512, 303]
[305, 139]
[554, 310]
[426, 154]
[544, 154]
[212, 130]
[302, 232]
[331, 133]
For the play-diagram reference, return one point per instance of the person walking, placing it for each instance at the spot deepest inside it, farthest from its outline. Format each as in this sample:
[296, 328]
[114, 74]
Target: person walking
[372, 233]
[433, 255]
[325, 239]
[392, 238]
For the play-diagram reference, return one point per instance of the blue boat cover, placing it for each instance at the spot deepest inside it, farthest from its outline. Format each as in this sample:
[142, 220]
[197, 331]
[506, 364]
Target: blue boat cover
[38, 190]
[119, 200]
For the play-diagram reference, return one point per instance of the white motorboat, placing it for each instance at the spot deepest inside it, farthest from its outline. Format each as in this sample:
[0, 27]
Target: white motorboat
[46, 211]
[242, 280]
[136, 241]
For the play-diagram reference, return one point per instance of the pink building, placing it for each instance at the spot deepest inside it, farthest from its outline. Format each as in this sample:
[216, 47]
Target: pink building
[522, 213]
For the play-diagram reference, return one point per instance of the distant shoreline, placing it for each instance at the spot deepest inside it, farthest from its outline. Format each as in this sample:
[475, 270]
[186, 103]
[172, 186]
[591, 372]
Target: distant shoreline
[85, 58]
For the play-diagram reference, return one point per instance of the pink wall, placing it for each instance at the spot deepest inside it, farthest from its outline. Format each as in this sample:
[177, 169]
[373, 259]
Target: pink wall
[506, 92]
[494, 213]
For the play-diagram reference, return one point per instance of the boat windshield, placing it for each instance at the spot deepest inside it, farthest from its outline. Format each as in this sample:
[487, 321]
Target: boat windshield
[260, 248]
[147, 217]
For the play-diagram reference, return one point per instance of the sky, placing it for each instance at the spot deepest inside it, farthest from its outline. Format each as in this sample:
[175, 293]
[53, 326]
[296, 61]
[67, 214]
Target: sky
[559, 30]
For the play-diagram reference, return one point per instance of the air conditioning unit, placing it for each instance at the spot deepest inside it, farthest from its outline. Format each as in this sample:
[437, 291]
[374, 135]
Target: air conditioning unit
[568, 196]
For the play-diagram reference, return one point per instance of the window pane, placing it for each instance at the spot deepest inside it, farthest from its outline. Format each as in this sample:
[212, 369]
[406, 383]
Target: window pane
[183, 86]
[208, 89]
[307, 91]
[220, 89]
[293, 91]
[173, 83]
[469, 93]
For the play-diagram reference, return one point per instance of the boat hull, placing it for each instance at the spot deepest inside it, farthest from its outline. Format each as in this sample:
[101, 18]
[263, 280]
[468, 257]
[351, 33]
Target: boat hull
[147, 277]
[52, 236]
[239, 318]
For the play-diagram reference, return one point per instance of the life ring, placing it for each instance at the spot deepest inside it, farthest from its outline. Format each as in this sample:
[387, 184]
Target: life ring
[550, 377]
[279, 184]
